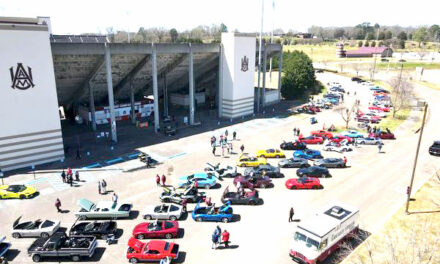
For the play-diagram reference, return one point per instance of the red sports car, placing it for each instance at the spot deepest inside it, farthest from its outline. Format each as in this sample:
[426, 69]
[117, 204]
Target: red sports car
[311, 140]
[315, 108]
[339, 138]
[383, 109]
[385, 135]
[303, 183]
[322, 133]
[157, 229]
[155, 250]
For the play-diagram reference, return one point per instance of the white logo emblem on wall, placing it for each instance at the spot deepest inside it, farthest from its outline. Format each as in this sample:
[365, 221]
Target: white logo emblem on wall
[21, 79]
[244, 64]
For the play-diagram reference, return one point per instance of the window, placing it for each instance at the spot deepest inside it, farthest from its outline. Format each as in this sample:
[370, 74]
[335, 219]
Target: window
[300, 237]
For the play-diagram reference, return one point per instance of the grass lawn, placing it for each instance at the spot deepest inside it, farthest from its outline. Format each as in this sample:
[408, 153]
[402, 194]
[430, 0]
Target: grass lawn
[323, 52]
[408, 65]
[428, 84]
[393, 123]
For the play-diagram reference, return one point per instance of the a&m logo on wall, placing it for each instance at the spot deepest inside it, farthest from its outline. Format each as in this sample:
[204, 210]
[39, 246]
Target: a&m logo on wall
[21, 78]
[244, 64]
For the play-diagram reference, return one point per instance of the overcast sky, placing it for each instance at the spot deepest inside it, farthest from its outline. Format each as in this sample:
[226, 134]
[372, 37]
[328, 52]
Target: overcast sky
[81, 16]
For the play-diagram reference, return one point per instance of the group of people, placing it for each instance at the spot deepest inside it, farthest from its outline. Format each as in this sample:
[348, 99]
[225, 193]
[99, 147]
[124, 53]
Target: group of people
[223, 142]
[68, 177]
[102, 187]
[296, 132]
[219, 237]
[159, 179]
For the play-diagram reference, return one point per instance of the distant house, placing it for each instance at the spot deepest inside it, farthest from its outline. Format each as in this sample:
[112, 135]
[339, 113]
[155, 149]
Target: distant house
[304, 35]
[369, 52]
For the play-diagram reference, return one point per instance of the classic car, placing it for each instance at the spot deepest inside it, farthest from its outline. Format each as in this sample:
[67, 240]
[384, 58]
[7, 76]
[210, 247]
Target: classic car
[103, 209]
[100, 230]
[246, 197]
[369, 141]
[156, 229]
[204, 180]
[163, 211]
[191, 194]
[267, 170]
[253, 181]
[311, 140]
[246, 161]
[221, 171]
[337, 147]
[307, 154]
[313, 171]
[294, 163]
[322, 133]
[303, 183]
[352, 134]
[60, 245]
[212, 213]
[37, 228]
[153, 250]
[270, 153]
[305, 109]
[293, 145]
[19, 191]
[330, 163]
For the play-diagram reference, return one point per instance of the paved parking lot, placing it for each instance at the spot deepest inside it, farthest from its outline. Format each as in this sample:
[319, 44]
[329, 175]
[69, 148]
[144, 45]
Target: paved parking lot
[261, 234]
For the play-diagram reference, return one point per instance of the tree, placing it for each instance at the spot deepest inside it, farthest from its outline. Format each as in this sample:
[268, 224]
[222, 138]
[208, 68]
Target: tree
[339, 33]
[402, 35]
[373, 43]
[402, 44]
[367, 44]
[357, 68]
[421, 35]
[381, 35]
[401, 93]
[174, 35]
[347, 113]
[370, 36]
[110, 34]
[299, 75]
[377, 28]
[223, 28]
[434, 31]
[388, 35]
[360, 43]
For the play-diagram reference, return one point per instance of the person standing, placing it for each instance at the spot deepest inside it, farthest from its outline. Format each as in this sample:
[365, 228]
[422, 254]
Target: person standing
[208, 201]
[345, 161]
[298, 132]
[58, 205]
[157, 180]
[63, 176]
[99, 187]
[234, 135]
[226, 133]
[71, 179]
[379, 146]
[242, 148]
[196, 184]
[77, 176]
[214, 239]
[225, 238]
[213, 149]
[291, 214]
[115, 200]
[184, 203]
[104, 186]
[163, 179]
[294, 131]
[223, 150]
[69, 171]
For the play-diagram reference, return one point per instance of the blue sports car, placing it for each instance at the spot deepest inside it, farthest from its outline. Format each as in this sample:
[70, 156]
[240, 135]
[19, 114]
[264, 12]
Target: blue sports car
[352, 134]
[204, 180]
[307, 154]
[212, 213]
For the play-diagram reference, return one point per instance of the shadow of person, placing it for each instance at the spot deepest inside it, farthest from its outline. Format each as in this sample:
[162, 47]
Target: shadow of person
[65, 211]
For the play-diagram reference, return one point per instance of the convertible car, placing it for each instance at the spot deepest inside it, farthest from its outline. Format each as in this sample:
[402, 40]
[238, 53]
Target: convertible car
[268, 170]
[307, 154]
[156, 229]
[103, 209]
[270, 153]
[303, 183]
[311, 140]
[249, 198]
[313, 171]
[246, 161]
[294, 163]
[212, 213]
[330, 163]
[163, 211]
[254, 181]
[154, 250]
[100, 230]
[17, 191]
[191, 194]
[38, 228]
[221, 171]
[204, 180]
[293, 145]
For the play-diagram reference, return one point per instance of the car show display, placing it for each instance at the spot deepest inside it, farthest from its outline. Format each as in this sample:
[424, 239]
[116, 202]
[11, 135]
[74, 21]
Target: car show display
[244, 197]
[164, 211]
[17, 191]
[98, 229]
[37, 228]
[156, 229]
[212, 213]
[154, 250]
[103, 209]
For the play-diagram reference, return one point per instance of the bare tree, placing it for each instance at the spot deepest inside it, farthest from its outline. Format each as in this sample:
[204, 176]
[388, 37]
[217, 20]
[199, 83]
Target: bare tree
[347, 113]
[401, 94]
[341, 67]
[356, 67]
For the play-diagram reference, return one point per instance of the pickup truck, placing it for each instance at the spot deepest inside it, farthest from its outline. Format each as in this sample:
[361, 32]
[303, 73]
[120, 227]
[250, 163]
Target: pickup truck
[60, 245]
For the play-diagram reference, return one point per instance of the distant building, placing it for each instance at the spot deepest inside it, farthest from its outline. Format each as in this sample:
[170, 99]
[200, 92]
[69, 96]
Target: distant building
[79, 39]
[369, 52]
[303, 35]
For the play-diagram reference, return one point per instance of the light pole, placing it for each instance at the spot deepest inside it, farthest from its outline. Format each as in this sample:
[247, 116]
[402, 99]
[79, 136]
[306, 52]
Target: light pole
[259, 56]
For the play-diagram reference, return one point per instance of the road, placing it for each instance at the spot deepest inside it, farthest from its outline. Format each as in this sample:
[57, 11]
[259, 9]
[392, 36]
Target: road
[376, 183]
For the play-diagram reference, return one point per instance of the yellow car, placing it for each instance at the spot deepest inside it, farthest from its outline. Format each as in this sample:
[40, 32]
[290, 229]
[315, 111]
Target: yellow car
[245, 161]
[17, 191]
[270, 153]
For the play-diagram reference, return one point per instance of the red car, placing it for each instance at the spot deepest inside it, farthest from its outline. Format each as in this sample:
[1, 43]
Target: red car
[383, 109]
[157, 229]
[155, 250]
[311, 140]
[314, 108]
[322, 133]
[385, 135]
[303, 183]
[339, 138]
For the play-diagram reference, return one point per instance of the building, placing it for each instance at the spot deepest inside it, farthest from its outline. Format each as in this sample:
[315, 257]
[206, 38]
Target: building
[363, 52]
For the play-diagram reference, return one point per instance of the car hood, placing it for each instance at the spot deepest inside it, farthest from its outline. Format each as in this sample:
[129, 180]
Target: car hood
[142, 227]
[307, 252]
[85, 204]
[135, 244]
[29, 190]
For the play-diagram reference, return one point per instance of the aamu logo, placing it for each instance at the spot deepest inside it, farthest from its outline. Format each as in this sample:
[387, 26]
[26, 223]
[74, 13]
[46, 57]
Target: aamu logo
[244, 64]
[21, 79]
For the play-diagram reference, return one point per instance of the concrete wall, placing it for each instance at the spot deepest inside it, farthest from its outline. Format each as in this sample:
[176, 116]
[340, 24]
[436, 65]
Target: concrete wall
[30, 131]
[237, 96]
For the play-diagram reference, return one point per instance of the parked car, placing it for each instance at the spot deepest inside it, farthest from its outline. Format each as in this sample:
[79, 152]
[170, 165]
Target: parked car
[4, 247]
[293, 145]
[307, 154]
[254, 181]
[191, 194]
[103, 209]
[322, 133]
[153, 250]
[100, 230]
[384, 109]
[37, 228]
[221, 171]
[270, 153]
[204, 180]
[369, 141]
[337, 147]
[434, 149]
[311, 140]
[156, 229]
[268, 170]
[385, 135]
[19, 191]
[294, 163]
[356, 79]
[340, 138]
[303, 183]
[352, 134]
[246, 161]
[313, 171]
[247, 197]
[330, 163]
[164, 211]
[367, 119]
[212, 213]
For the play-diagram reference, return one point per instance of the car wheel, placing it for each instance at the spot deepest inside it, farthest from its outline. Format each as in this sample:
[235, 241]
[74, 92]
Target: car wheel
[82, 217]
[133, 260]
[148, 217]
[140, 236]
[44, 234]
[75, 258]
[36, 258]
[22, 196]
[168, 236]
[16, 235]
[277, 156]
[173, 218]
[252, 202]
[225, 220]
[314, 187]
[207, 187]
[294, 187]
[198, 219]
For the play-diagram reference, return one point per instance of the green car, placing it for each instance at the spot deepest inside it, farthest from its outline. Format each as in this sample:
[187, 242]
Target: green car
[103, 210]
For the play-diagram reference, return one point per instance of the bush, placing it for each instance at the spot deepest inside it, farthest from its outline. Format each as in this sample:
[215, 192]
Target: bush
[299, 75]
[402, 44]
[360, 43]
[373, 43]
[367, 44]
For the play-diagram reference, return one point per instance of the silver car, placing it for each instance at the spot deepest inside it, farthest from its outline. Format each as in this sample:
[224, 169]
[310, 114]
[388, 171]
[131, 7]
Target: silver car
[368, 141]
[163, 211]
[38, 228]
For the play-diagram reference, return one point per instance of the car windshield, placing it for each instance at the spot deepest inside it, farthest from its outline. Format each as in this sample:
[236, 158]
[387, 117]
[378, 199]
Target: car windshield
[311, 243]
[16, 188]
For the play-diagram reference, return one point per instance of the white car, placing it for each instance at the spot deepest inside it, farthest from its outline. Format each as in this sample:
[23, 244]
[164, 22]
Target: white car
[338, 148]
[38, 228]
[163, 211]
[377, 113]
[368, 141]
[221, 171]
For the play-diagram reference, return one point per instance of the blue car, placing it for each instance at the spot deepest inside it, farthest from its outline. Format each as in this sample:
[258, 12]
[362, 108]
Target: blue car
[352, 134]
[204, 180]
[307, 154]
[212, 213]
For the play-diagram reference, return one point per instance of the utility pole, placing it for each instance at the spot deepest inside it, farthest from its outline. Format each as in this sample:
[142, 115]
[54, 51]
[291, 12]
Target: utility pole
[259, 56]
[415, 160]
[271, 40]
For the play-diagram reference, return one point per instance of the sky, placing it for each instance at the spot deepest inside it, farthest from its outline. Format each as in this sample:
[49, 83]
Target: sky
[94, 16]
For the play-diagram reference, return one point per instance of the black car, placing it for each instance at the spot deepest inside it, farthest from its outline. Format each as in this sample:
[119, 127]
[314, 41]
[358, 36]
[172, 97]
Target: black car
[357, 79]
[101, 230]
[271, 171]
[434, 149]
[313, 171]
[294, 163]
[192, 195]
[248, 198]
[293, 145]
[330, 163]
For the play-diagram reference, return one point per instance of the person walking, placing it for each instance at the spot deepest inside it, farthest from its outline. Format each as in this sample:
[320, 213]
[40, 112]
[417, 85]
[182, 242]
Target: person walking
[294, 131]
[291, 214]
[234, 135]
[157, 180]
[225, 238]
[214, 239]
[58, 205]
[114, 200]
[196, 184]
[345, 161]
[99, 187]
[104, 186]
[164, 179]
[77, 176]
[213, 149]
[63, 176]
[242, 148]
[379, 146]
[298, 132]
[184, 203]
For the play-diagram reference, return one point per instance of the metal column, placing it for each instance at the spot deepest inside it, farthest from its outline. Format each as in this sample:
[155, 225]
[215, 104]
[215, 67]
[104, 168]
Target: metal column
[92, 106]
[132, 110]
[280, 71]
[220, 83]
[191, 86]
[111, 103]
[165, 95]
[264, 76]
[155, 89]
